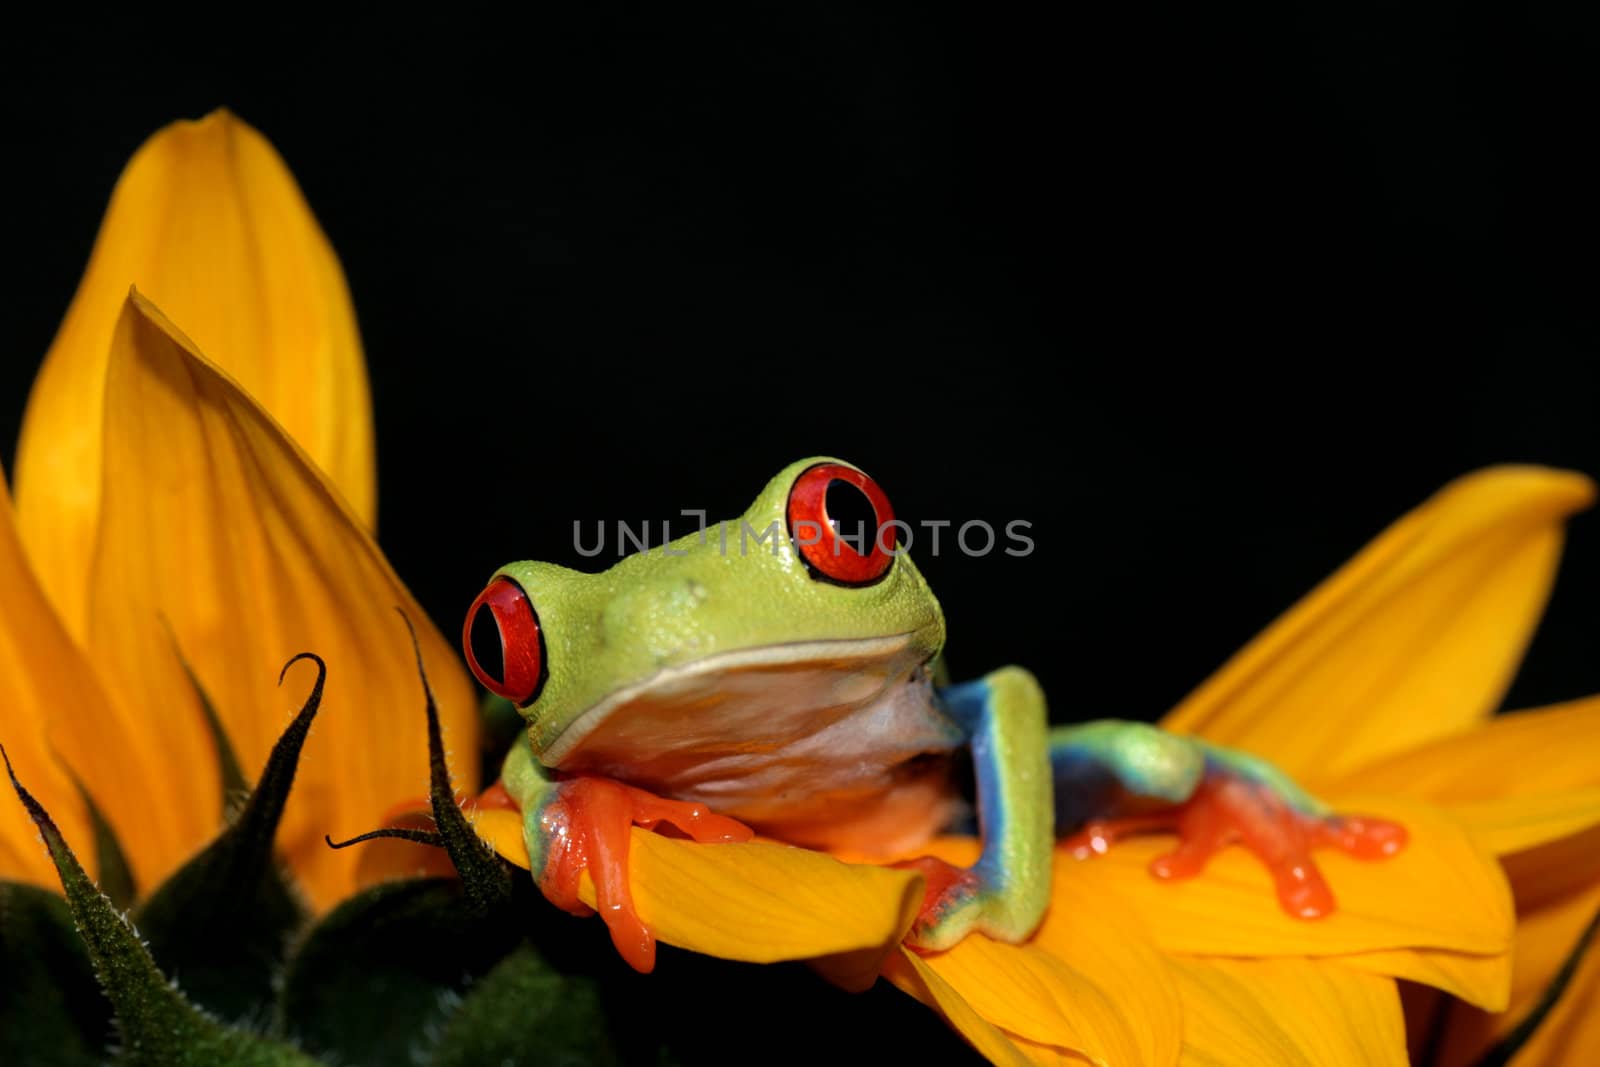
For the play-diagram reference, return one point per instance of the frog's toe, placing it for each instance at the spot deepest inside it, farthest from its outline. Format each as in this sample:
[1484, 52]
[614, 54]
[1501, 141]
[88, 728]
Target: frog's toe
[586, 825]
[1226, 809]
[952, 903]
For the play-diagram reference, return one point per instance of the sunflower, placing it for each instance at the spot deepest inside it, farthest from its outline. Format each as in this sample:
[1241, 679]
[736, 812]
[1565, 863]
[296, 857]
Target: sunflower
[182, 527]
[195, 505]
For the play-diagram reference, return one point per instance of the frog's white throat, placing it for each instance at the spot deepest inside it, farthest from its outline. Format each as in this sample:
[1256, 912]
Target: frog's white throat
[822, 742]
[741, 696]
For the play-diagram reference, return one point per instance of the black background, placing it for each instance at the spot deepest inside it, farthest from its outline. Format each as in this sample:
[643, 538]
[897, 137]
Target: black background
[1208, 297]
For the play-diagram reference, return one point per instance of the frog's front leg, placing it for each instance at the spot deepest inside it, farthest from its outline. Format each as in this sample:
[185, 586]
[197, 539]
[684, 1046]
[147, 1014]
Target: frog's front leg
[1115, 779]
[584, 824]
[1003, 895]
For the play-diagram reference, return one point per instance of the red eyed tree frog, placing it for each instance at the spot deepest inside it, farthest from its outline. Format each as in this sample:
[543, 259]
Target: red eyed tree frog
[793, 685]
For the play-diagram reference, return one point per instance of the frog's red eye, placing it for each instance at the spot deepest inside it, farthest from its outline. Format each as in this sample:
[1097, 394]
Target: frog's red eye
[502, 641]
[832, 510]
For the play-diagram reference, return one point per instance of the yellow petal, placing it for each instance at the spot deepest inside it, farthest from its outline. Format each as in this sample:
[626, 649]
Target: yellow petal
[42, 677]
[1547, 750]
[1046, 1055]
[912, 974]
[1443, 892]
[1521, 823]
[1105, 941]
[1029, 992]
[1519, 781]
[1526, 784]
[1282, 1013]
[208, 222]
[1090, 981]
[1415, 638]
[218, 533]
[1568, 1035]
[501, 830]
[759, 902]
[1484, 981]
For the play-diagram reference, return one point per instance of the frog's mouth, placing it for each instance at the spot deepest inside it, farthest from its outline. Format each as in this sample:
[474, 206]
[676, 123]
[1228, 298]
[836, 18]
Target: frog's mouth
[744, 707]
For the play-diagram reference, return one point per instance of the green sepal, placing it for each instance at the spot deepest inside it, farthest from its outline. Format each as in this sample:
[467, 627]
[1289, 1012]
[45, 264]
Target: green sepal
[378, 975]
[223, 921]
[525, 1011]
[52, 1010]
[484, 875]
[155, 1023]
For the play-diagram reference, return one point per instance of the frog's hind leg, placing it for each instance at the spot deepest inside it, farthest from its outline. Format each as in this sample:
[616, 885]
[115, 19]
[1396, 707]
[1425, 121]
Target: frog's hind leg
[1116, 779]
[1004, 894]
[1098, 768]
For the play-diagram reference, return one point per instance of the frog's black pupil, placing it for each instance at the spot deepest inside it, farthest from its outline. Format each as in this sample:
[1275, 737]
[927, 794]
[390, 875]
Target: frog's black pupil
[852, 515]
[486, 644]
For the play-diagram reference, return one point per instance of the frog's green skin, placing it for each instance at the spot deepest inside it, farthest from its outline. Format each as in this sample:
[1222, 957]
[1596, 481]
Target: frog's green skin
[808, 709]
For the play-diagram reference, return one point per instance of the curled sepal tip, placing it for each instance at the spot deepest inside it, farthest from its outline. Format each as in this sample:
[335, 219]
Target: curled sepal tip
[420, 837]
[484, 878]
[223, 919]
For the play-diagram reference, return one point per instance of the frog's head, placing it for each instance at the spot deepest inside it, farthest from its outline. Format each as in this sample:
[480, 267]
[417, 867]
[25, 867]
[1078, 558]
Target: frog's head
[768, 623]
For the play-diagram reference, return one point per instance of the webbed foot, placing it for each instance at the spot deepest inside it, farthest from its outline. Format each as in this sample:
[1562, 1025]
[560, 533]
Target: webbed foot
[1227, 808]
[584, 824]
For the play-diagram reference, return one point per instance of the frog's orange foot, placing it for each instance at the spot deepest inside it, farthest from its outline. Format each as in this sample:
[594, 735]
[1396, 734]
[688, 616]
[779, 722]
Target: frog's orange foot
[587, 824]
[1226, 809]
[950, 893]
